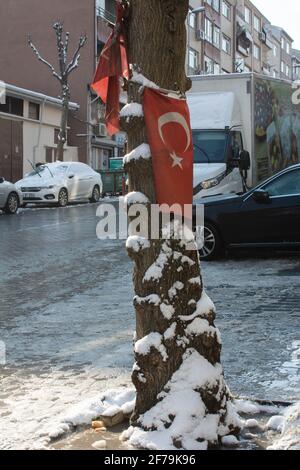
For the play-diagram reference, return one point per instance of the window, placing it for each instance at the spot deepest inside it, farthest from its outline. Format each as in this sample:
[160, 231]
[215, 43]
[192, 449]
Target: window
[193, 59]
[226, 10]
[12, 106]
[275, 74]
[288, 48]
[216, 69]
[208, 65]
[192, 19]
[287, 71]
[226, 44]
[286, 185]
[56, 134]
[215, 4]
[210, 146]
[236, 144]
[282, 67]
[247, 15]
[282, 43]
[208, 30]
[256, 52]
[275, 50]
[256, 23]
[34, 111]
[211, 67]
[217, 37]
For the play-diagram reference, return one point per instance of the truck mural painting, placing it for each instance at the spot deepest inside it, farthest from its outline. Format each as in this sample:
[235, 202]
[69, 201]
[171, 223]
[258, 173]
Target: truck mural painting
[246, 127]
[277, 127]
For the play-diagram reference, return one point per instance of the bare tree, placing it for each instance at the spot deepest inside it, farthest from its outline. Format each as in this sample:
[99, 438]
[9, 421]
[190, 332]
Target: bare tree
[66, 67]
[175, 330]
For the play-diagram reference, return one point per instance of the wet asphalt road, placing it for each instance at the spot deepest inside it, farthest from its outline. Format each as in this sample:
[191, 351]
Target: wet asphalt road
[67, 320]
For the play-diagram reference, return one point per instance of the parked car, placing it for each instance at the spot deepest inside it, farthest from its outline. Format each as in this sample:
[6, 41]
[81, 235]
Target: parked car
[266, 216]
[60, 183]
[10, 197]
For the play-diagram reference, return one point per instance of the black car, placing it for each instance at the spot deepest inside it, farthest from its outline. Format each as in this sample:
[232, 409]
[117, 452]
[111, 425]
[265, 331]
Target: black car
[266, 216]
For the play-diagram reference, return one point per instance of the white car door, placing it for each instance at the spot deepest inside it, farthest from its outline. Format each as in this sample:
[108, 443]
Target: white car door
[88, 180]
[73, 182]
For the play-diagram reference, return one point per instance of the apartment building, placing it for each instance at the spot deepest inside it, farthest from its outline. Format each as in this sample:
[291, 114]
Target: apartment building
[87, 131]
[285, 51]
[234, 36]
[211, 37]
[296, 64]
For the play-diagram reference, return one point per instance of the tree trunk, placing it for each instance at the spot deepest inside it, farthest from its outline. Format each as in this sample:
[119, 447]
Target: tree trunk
[167, 306]
[62, 136]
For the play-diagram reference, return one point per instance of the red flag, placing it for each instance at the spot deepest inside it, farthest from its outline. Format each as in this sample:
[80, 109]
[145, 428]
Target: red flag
[112, 65]
[170, 139]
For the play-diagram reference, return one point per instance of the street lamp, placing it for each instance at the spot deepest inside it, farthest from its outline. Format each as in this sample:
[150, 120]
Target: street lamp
[192, 12]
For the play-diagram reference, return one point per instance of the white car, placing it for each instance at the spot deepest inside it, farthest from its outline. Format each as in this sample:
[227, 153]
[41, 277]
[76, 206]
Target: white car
[60, 183]
[10, 197]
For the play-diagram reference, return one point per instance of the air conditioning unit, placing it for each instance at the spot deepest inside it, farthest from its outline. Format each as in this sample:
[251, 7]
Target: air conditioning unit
[100, 130]
[200, 35]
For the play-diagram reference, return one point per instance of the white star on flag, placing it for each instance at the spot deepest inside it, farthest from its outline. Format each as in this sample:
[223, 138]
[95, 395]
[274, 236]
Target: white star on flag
[176, 160]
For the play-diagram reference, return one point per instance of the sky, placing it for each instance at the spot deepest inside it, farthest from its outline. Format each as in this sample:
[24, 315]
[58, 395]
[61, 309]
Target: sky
[284, 13]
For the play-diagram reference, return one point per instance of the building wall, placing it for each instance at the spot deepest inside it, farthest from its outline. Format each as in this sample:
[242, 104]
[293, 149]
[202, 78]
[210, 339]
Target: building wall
[228, 31]
[37, 136]
[274, 56]
[20, 67]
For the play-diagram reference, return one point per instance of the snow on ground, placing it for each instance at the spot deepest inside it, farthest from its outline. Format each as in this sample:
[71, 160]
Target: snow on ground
[69, 339]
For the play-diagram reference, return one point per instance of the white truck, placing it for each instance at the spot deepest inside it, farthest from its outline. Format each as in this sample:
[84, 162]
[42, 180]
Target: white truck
[246, 127]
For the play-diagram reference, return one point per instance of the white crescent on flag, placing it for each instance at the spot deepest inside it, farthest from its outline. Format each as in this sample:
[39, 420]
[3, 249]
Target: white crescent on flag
[177, 118]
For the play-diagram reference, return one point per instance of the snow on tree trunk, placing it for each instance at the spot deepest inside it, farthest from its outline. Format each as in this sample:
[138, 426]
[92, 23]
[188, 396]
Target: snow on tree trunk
[182, 399]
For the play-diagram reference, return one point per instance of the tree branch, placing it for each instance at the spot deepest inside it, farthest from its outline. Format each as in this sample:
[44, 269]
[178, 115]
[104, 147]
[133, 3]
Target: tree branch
[74, 62]
[41, 59]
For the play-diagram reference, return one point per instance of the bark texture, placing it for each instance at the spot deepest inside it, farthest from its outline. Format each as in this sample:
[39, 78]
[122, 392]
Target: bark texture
[157, 48]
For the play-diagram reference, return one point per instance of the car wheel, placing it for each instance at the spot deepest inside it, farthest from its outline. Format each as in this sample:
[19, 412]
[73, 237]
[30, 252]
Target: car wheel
[63, 198]
[212, 246]
[12, 204]
[95, 195]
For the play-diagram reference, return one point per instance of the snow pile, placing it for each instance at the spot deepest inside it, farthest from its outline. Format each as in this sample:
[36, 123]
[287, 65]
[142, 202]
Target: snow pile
[137, 244]
[153, 299]
[289, 426]
[108, 404]
[200, 326]
[204, 307]
[135, 197]
[167, 310]
[180, 419]
[142, 80]
[142, 151]
[153, 340]
[132, 110]
[155, 271]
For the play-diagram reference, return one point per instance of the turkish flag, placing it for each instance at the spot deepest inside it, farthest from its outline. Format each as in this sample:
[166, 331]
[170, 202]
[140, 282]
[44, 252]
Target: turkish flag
[170, 139]
[112, 65]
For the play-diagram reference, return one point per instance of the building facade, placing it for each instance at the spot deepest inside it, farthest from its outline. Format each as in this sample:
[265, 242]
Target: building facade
[29, 127]
[285, 51]
[296, 64]
[233, 36]
[92, 17]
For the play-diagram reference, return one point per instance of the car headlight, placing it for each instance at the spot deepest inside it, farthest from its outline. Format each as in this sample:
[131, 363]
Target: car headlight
[211, 183]
[48, 187]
